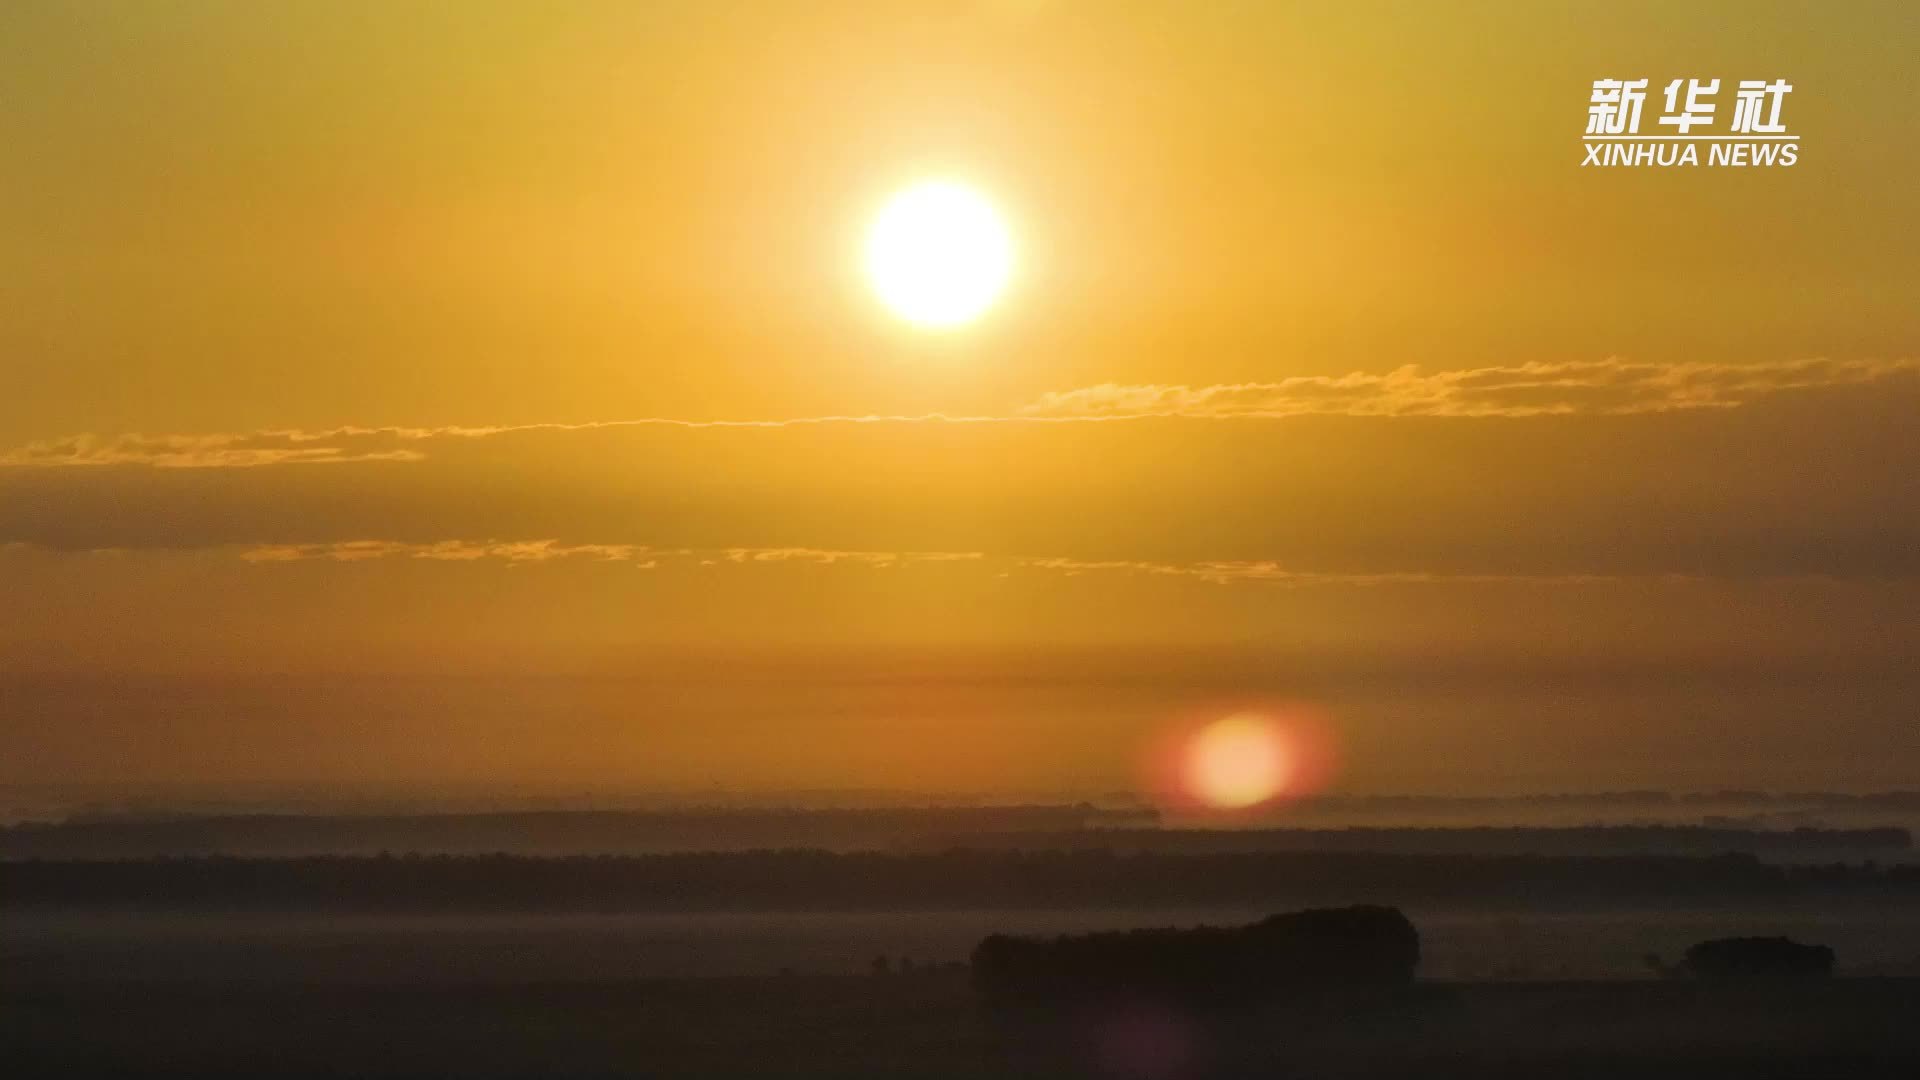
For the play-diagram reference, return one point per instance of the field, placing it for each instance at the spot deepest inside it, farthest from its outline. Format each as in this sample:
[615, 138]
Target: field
[400, 949]
[927, 1025]
[509, 967]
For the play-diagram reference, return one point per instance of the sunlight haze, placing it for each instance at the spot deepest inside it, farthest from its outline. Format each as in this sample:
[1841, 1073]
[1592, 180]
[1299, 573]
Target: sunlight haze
[944, 398]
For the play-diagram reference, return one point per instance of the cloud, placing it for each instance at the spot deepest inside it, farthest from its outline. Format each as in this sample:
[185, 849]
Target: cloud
[1216, 572]
[515, 551]
[1263, 572]
[539, 551]
[822, 557]
[355, 443]
[218, 451]
[1272, 573]
[1610, 387]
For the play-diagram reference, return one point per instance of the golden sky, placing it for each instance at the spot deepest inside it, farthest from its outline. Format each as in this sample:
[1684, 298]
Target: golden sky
[489, 393]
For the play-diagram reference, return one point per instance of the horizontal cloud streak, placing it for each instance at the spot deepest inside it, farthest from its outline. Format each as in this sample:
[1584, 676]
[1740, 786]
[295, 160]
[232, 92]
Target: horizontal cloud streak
[1215, 572]
[518, 551]
[867, 558]
[539, 551]
[1271, 573]
[355, 443]
[218, 451]
[1610, 387]
[1267, 572]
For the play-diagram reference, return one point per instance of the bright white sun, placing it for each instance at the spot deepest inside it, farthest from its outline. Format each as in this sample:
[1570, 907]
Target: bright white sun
[939, 254]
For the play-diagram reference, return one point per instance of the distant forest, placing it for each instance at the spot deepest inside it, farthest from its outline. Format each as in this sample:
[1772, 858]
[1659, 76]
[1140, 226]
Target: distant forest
[1791, 845]
[815, 880]
[923, 829]
[557, 832]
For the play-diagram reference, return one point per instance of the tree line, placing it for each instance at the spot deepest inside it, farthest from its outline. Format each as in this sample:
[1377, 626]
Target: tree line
[818, 880]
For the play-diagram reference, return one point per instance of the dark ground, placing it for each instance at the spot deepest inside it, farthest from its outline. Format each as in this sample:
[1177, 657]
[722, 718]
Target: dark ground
[927, 1024]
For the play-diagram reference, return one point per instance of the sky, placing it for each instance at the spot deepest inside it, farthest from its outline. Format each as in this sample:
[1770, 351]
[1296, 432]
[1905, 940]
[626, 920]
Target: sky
[490, 394]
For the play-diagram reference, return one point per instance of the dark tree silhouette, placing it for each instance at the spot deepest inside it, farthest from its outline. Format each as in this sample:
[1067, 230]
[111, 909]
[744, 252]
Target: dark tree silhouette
[1758, 957]
[1362, 946]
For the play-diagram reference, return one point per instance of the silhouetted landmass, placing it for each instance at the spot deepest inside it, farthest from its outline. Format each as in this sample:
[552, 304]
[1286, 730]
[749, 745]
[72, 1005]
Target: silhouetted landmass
[1737, 808]
[1758, 957]
[1748, 958]
[1885, 801]
[931, 829]
[562, 832]
[811, 880]
[1803, 844]
[1315, 950]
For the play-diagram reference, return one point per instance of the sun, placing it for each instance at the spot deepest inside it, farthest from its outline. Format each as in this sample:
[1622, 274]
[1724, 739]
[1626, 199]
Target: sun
[939, 254]
[1238, 762]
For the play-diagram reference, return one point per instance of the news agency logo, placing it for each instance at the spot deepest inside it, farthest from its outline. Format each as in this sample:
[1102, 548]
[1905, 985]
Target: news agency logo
[1754, 136]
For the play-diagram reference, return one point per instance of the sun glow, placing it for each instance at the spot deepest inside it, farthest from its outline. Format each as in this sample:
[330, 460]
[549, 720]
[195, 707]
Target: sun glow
[1237, 762]
[939, 254]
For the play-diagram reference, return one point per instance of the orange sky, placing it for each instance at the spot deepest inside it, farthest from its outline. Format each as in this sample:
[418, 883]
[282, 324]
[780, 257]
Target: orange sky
[375, 382]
